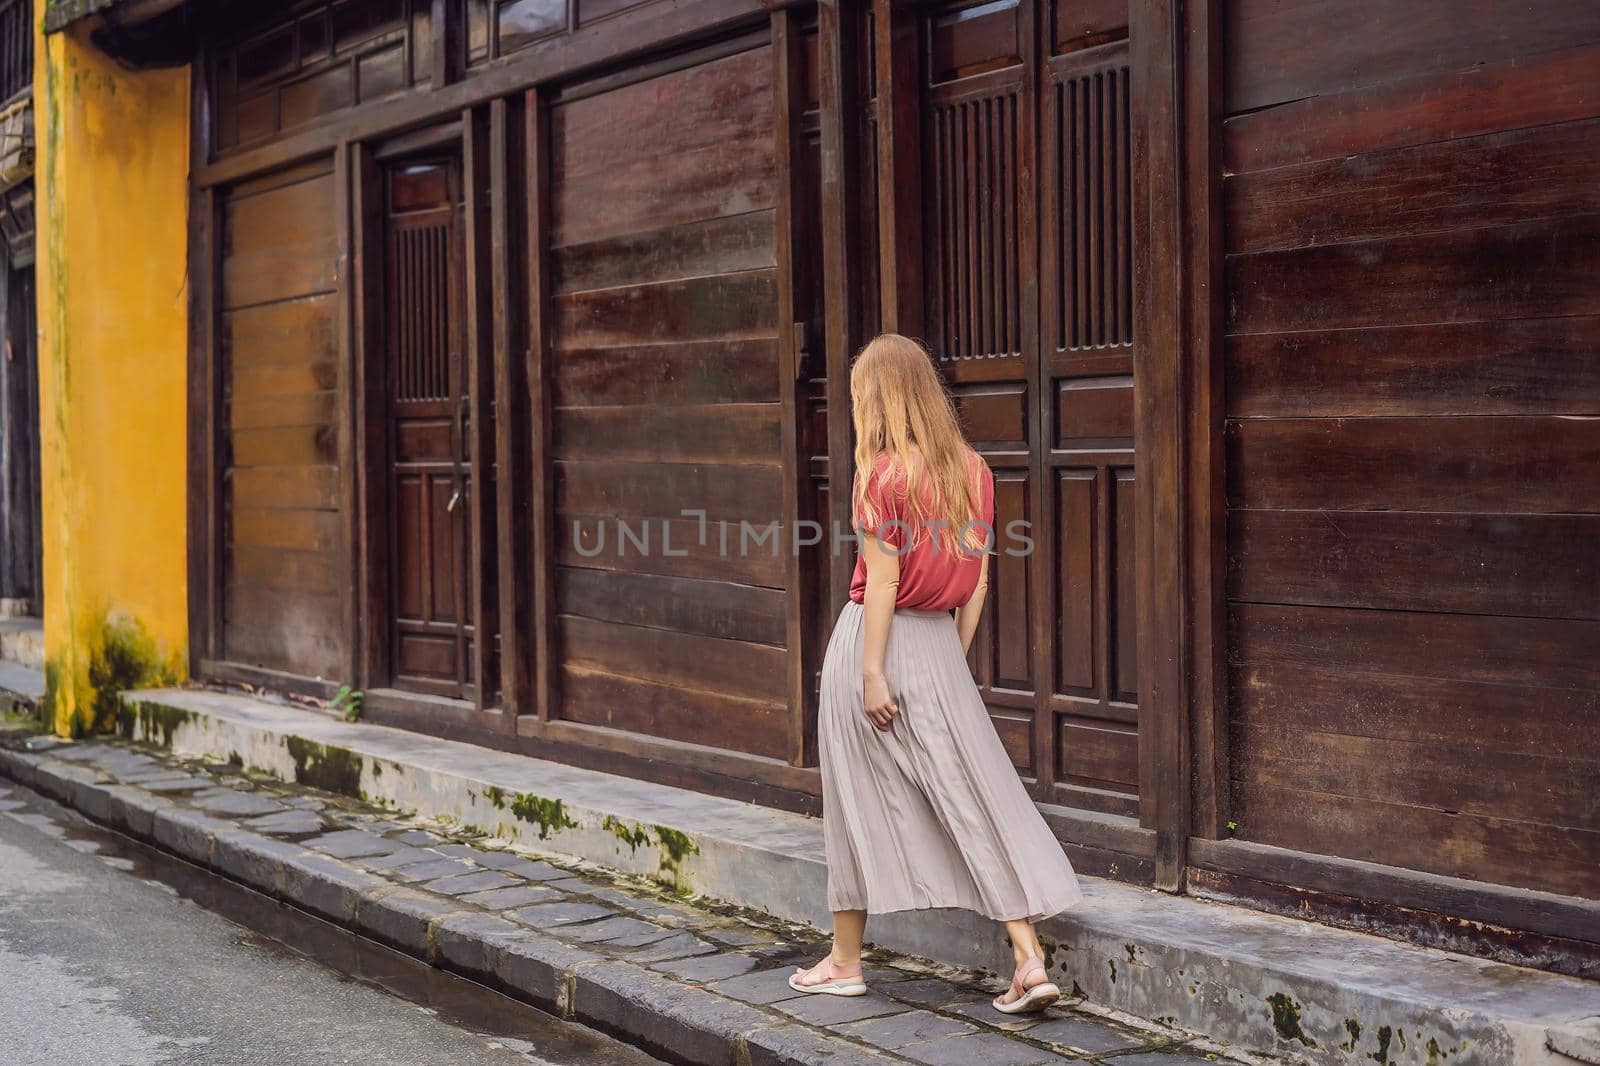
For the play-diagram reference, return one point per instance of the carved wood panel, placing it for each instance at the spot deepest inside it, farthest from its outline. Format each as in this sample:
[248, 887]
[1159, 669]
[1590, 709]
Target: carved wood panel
[1028, 291]
[431, 494]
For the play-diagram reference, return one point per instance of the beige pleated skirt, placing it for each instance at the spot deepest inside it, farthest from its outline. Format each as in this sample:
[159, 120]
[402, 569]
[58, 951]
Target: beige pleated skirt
[931, 813]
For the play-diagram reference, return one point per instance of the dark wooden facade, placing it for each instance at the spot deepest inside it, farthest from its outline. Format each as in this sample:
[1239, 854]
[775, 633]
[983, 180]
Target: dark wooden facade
[1275, 321]
[21, 527]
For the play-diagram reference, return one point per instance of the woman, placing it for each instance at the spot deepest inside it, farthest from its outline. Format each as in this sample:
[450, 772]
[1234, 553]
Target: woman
[921, 806]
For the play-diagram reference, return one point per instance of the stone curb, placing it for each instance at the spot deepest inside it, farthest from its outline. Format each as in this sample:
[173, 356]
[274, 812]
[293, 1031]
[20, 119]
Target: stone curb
[1254, 980]
[680, 1022]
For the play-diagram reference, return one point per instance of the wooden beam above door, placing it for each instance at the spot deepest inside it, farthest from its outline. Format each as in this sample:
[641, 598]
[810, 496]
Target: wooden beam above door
[896, 49]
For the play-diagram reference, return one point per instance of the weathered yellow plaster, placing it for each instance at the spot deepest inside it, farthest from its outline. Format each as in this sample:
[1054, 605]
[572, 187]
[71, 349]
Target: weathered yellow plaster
[111, 176]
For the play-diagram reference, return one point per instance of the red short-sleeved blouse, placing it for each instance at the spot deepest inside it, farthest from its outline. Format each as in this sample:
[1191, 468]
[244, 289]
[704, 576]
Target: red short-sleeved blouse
[933, 577]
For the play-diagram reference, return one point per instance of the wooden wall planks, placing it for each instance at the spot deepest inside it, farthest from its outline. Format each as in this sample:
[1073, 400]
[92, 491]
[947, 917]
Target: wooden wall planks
[1280, 52]
[1519, 93]
[284, 552]
[1413, 236]
[666, 381]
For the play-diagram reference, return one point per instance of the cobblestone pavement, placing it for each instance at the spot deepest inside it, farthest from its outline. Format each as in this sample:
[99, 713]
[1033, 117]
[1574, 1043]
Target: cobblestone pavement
[621, 946]
[115, 954]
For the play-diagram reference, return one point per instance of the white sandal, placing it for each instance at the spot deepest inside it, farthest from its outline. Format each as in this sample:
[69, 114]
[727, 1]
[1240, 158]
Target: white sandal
[1038, 997]
[834, 983]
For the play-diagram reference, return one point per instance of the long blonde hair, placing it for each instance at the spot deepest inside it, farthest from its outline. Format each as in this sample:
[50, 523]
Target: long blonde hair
[901, 411]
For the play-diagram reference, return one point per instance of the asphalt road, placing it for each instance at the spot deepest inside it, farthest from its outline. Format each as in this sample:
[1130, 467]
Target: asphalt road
[111, 954]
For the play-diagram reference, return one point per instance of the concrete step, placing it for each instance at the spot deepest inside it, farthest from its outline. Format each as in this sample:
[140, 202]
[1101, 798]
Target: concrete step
[21, 689]
[1250, 979]
[696, 985]
[14, 608]
[22, 642]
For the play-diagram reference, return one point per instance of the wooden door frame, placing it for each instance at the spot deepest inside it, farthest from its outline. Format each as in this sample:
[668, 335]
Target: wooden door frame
[470, 138]
[370, 400]
[478, 353]
[1180, 512]
[1176, 81]
[1205, 460]
[838, 102]
[788, 107]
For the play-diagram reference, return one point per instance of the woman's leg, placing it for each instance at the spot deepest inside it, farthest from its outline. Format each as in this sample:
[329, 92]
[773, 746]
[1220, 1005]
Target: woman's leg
[848, 929]
[1024, 946]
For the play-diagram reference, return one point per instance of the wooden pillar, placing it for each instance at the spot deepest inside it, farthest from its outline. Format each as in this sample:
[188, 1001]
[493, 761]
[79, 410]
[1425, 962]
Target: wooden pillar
[788, 103]
[445, 23]
[1205, 485]
[1161, 292]
[480, 378]
[511, 407]
[371, 403]
[541, 498]
[839, 103]
[899, 113]
[345, 387]
[204, 529]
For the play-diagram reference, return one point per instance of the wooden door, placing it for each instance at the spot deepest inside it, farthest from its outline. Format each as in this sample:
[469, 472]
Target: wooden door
[1028, 296]
[665, 388]
[428, 436]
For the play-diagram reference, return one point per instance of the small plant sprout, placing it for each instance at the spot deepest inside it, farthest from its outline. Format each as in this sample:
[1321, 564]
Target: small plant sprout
[347, 701]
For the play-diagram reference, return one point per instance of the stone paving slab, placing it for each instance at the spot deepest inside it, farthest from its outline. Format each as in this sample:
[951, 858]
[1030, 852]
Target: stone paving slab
[694, 982]
[23, 681]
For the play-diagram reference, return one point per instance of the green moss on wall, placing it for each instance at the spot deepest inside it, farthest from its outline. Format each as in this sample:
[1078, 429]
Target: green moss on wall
[549, 815]
[146, 719]
[1286, 1019]
[329, 768]
[125, 656]
[52, 709]
[122, 656]
[635, 836]
[675, 846]
[1385, 1037]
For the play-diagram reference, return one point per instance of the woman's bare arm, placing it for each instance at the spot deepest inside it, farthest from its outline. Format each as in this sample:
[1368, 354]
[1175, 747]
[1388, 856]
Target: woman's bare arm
[970, 613]
[883, 585]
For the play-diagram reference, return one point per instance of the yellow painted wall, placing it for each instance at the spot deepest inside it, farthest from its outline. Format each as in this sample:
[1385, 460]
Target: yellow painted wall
[111, 173]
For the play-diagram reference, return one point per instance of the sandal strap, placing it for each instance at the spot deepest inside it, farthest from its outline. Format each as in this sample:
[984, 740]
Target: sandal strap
[826, 971]
[1032, 964]
[840, 971]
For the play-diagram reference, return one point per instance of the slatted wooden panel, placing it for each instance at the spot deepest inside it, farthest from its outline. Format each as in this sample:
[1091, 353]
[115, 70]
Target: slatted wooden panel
[420, 333]
[973, 154]
[1413, 232]
[1044, 384]
[976, 139]
[285, 562]
[665, 388]
[1087, 355]
[1089, 119]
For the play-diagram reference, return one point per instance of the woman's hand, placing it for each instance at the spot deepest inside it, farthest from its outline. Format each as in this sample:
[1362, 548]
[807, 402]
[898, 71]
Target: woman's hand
[879, 704]
[883, 588]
